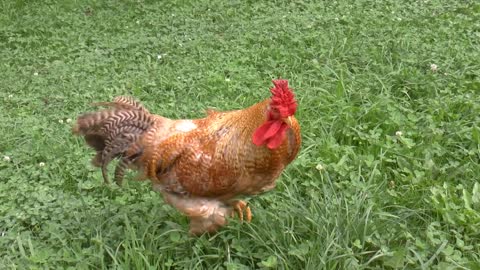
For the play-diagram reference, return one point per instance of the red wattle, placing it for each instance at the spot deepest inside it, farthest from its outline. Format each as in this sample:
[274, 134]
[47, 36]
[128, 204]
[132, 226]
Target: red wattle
[258, 136]
[271, 133]
[277, 139]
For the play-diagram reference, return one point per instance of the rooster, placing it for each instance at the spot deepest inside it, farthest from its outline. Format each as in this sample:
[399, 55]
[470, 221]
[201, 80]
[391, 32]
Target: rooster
[201, 166]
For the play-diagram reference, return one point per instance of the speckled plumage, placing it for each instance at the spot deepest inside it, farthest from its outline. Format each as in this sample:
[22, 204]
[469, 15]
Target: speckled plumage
[200, 166]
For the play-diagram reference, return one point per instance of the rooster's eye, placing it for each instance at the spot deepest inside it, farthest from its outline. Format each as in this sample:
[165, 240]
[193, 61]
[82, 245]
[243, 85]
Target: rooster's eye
[275, 113]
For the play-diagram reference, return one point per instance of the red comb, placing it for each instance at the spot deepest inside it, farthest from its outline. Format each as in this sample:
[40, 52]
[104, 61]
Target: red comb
[283, 98]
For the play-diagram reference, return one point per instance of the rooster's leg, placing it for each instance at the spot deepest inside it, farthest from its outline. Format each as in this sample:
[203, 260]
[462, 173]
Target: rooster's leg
[239, 207]
[206, 215]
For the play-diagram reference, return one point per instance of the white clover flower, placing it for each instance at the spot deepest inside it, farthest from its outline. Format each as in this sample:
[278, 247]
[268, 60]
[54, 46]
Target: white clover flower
[391, 184]
[433, 67]
[319, 167]
[60, 121]
[35, 74]
[10, 96]
[69, 120]
[6, 158]
[159, 56]
[138, 22]
[41, 164]
[398, 133]
[227, 79]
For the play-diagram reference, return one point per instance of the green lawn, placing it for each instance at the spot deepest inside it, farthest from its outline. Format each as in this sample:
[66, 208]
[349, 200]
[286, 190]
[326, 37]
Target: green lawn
[387, 177]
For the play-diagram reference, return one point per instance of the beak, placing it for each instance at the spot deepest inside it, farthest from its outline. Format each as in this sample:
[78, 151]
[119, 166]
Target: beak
[288, 121]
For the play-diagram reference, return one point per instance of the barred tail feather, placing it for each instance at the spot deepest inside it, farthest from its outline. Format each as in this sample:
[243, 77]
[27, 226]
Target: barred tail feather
[114, 132]
[123, 102]
[124, 163]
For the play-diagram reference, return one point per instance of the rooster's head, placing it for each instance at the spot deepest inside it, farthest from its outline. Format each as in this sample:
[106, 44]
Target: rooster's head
[281, 109]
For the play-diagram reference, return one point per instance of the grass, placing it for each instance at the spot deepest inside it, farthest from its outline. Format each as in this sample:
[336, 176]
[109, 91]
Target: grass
[388, 173]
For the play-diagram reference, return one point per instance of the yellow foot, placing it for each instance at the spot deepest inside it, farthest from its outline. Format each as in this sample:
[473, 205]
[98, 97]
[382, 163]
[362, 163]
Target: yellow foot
[239, 207]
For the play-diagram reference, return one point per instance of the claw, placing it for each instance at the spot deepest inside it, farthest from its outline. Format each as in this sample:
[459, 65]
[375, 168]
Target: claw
[239, 207]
